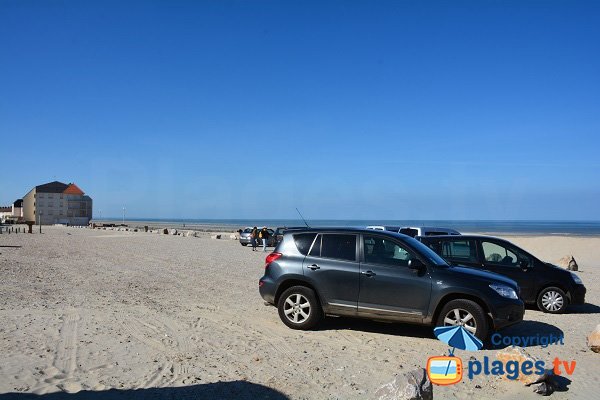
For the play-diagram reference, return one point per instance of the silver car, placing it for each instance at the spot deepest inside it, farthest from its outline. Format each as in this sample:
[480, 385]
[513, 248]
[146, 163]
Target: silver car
[245, 239]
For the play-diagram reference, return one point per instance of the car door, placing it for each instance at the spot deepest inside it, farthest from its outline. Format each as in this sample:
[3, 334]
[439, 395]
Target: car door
[332, 266]
[500, 257]
[389, 288]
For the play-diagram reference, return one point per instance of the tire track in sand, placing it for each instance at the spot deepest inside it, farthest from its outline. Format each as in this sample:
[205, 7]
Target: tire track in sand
[164, 337]
[65, 359]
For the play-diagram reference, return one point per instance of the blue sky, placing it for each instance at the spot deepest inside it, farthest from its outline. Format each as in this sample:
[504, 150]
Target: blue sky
[345, 109]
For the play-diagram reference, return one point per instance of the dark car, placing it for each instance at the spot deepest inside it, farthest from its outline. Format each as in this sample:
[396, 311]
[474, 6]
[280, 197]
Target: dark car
[381, 275]
[550, 287]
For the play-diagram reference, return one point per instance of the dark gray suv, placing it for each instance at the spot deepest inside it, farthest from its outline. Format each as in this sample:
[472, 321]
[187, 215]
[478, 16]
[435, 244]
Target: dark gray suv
[381, 275]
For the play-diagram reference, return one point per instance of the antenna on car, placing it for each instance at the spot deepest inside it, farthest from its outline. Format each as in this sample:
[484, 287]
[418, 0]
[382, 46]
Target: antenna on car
[305, 223]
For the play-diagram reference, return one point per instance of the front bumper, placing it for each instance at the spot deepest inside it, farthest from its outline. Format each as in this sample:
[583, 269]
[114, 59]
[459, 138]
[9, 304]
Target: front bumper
[578, 294]
[506, 313]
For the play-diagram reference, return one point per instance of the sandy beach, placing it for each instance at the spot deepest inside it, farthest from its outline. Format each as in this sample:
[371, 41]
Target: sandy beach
[109, 314]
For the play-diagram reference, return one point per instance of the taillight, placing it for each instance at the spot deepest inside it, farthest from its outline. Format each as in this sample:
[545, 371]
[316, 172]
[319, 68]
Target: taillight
[272, 257]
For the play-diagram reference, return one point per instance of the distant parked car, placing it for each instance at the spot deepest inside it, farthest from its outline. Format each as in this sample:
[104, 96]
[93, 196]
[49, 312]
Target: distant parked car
[415, 231]
[281, 229]
[549, 287]
[384, 228]
[245, 237]
[427, 231]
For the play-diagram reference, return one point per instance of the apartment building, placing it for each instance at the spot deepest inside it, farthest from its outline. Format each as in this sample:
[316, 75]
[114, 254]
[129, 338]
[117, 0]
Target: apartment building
[57, 203]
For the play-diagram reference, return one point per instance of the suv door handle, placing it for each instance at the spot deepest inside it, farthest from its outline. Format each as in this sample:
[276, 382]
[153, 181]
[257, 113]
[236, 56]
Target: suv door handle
[314, 267]
[368, 273]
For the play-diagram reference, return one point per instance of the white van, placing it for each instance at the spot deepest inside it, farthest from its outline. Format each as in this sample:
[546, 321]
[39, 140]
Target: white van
[427, 231]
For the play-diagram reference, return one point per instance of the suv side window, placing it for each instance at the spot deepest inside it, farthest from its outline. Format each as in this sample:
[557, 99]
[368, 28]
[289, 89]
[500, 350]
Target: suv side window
[316, 248]
[304, 241]
[340, 247]
[459, 250]
[385, 252]
[497, 254]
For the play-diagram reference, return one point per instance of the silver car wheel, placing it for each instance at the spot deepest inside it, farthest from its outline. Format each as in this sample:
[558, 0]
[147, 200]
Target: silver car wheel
[296, 308]
[461, 317]
[552, 301]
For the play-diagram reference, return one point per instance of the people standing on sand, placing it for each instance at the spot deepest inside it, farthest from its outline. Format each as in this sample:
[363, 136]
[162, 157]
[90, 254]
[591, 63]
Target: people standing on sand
[254, 238]
[264, 235]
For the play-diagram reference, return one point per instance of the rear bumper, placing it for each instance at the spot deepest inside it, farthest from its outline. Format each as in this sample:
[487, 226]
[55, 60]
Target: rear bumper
[245, 240]
[507, 313]
[267, 289]
[578, 294]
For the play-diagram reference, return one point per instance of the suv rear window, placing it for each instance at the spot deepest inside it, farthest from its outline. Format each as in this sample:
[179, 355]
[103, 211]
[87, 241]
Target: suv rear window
[303, 241]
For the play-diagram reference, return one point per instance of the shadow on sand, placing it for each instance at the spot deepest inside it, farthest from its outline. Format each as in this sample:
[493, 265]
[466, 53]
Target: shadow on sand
[536, 333]
[383, 328]
[220, 390]
[526, 328]
[586, 308]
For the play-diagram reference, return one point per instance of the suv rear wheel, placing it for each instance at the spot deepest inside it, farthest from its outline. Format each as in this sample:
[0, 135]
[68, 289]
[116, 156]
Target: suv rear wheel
[299, 308]
[465, 313]
[552, 300]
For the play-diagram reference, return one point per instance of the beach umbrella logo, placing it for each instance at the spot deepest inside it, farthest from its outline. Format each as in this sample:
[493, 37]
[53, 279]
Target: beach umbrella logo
[448, 370]
[457, 337]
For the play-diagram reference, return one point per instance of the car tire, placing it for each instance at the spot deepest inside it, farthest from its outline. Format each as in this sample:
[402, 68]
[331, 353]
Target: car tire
[552, 300]
[299, 308]
[244, 244]
[470, 314]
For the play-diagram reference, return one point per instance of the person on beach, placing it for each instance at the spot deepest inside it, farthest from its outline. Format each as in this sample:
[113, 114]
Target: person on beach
[264, 235]
[254, 237]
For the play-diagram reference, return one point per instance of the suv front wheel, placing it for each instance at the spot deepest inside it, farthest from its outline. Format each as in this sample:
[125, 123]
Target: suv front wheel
[465, 313]
[299, 308]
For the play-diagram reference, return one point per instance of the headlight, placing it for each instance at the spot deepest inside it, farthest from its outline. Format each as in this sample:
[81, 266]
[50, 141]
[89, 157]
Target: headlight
[576, 279]
[504, 291]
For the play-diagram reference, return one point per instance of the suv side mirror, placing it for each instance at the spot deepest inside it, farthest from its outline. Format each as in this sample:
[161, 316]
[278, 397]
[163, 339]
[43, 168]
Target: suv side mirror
[415, 263]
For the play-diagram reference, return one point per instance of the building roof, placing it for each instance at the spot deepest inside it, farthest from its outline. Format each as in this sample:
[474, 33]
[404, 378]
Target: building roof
[18, 203]
[52, 187]
[73, 189]
[59, 187]
[6, 209]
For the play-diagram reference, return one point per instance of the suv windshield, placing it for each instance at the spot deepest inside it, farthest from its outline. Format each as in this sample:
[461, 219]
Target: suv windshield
[427, 252]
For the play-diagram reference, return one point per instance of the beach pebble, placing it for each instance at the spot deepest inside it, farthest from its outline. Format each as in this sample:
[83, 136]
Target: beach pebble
[593, 340]
[569, 263]
[412, 385]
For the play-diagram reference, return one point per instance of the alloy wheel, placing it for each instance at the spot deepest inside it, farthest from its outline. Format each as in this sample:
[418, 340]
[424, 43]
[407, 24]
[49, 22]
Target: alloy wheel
[461, 317]
[296, 308]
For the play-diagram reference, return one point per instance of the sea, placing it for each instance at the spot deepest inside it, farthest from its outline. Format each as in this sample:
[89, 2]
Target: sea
[576, 228]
